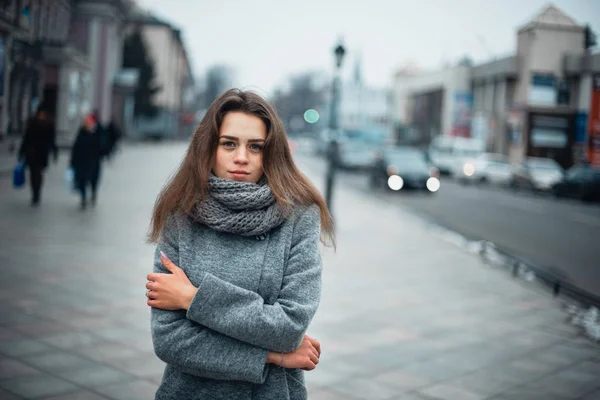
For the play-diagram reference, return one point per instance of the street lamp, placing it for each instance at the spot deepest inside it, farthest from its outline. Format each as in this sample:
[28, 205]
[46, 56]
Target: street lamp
[339, 53]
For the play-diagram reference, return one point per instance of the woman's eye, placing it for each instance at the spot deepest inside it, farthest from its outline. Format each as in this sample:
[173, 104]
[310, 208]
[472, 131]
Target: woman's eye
[256, 147]
[228, 144]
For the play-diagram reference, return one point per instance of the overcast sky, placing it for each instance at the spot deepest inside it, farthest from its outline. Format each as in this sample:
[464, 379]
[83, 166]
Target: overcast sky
[267, 40]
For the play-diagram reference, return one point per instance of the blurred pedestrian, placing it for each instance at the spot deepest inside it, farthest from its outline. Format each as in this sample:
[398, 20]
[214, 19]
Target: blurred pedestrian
[86, 158]
[38, 142]
[238, 229]
[113, 136]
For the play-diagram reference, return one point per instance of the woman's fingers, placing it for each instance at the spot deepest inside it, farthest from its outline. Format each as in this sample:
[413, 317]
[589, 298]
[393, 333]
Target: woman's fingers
[315, 343]
[315, 352]
[314, 358]
[166, 261]
[149, 285]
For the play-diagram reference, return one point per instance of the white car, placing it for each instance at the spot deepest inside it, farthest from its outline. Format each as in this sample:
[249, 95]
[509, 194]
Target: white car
[490, 168]
[449, 153]
[537, 173]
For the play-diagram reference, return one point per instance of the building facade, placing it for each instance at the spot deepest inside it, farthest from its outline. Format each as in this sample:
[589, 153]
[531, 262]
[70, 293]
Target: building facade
[173, 75]
[535, 102]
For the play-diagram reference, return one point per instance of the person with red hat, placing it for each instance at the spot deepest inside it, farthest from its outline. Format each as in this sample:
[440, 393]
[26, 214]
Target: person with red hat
[86, 158]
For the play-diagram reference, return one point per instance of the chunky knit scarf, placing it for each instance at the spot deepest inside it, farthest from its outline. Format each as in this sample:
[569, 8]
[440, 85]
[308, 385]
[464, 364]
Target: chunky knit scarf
[241, 208]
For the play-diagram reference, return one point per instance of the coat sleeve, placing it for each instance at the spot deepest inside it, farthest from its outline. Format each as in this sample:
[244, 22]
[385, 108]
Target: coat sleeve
[242, 314]
[196, 349]
[52, 144]
[75, 150]
[25, 143]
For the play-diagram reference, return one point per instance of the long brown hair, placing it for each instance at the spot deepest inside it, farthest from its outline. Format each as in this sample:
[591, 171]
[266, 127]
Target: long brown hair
[189, 184]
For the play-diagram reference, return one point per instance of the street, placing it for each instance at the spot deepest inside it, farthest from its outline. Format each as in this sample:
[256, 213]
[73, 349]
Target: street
[403, 315]
[559, 234]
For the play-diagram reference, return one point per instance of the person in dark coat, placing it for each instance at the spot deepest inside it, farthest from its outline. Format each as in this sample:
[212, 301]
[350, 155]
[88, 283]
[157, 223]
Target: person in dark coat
[38, 142]
[113, 135]
[86, 158]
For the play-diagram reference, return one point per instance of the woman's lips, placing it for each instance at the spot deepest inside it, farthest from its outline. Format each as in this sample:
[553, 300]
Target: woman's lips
[239, 174]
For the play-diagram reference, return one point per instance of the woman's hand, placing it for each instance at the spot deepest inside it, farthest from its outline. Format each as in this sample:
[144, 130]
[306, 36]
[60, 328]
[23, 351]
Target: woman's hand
[305, 357]
[172, 291]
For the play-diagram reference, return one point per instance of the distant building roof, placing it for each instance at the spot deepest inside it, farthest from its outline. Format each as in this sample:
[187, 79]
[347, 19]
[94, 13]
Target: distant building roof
[552, 16]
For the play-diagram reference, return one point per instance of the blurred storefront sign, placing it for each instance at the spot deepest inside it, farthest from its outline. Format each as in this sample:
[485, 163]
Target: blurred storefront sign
[514, 124]
[594, 124]
[461, 123]
[543, 90]
[579, 147]
[551, 135]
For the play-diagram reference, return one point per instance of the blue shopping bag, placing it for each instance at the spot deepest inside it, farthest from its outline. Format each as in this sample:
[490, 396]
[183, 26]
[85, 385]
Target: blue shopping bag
[70, 180]
[19, 175]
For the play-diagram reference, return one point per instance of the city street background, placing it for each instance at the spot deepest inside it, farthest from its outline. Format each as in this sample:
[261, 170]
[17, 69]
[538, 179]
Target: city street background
[405, 314]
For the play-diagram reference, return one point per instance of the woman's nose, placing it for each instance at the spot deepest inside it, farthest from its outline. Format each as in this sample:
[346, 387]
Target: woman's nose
[241, 156]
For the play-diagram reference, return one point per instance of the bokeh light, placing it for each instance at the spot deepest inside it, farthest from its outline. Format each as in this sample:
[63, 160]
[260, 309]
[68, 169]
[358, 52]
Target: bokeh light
[395, 182]
[311, 116]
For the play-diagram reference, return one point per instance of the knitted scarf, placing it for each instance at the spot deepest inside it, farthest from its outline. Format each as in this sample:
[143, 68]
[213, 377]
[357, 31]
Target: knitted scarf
[241, 208]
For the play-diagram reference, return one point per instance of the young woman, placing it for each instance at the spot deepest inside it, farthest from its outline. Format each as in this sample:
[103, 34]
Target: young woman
[237, 269]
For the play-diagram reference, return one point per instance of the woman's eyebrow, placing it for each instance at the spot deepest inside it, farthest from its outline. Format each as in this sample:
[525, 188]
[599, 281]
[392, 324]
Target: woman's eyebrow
[236, 138]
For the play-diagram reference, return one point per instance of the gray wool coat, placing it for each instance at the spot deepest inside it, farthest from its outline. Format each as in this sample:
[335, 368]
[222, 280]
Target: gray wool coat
[253, 296]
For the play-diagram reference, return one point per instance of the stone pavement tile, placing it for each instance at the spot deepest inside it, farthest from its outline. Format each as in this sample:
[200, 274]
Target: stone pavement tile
[566, 354]
[439, 369]
[10, 369]
[567, 382]
[9, 334]
[96, 376]
[57, 361]
[365, 388]
[38, 386]
[446, 391]
[528, 340]
[116, 333]
[136, 390]
[588, 366]
[324, 394]
[452, 339]
[146, 366]
[559, 329]
[402, 380]
[9, 318]
[4, 395]
[80, 395]
[141, 342]
[493, 380]
[479, 355]
[23, 347]
[40, 329]
[91, 322]
[105, 351]
[595, 395]
[529, 393]
[71, 340]
[330, 372]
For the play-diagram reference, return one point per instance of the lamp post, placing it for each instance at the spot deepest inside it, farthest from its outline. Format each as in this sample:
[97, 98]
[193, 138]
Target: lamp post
[333, 158]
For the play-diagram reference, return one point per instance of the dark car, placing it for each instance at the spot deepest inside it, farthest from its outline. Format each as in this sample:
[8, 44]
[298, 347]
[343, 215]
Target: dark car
[581, 182]
[403, 168]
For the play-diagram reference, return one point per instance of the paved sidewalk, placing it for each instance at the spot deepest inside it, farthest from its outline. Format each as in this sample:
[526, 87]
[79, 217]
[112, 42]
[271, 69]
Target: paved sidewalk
[404, 314]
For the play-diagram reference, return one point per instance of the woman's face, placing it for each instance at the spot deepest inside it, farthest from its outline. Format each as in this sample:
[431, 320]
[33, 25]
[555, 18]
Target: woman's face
[239, 154]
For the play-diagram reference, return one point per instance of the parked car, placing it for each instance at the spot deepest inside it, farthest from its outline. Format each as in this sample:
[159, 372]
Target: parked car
[581, 182]
[536, 173]
[449, 153]
[403, 168]
[490, 168]
[358, 147]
